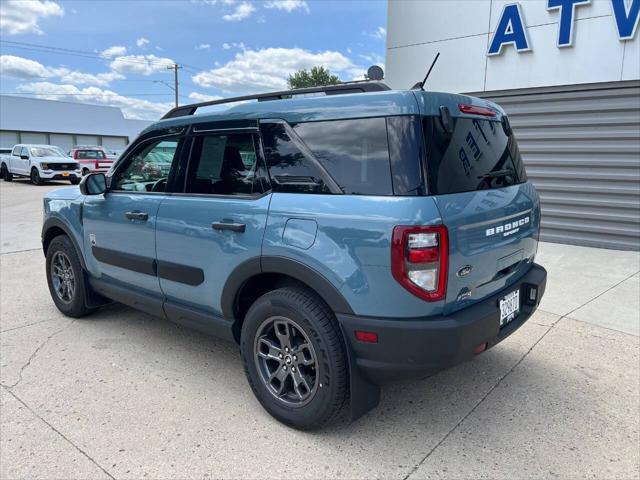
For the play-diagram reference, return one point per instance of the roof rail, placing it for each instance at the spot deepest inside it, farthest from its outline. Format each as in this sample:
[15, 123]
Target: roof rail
[340, 89]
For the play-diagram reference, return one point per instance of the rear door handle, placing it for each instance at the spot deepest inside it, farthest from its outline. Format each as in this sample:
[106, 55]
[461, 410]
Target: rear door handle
[234, 227]
[137, 216]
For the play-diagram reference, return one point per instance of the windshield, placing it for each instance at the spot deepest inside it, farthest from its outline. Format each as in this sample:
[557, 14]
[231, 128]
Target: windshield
[46, 152]
[476, 154]
[94, 154]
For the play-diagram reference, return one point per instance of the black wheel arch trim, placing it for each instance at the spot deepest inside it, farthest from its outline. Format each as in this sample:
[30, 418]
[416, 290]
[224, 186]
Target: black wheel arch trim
[57, 223]
[286, 266]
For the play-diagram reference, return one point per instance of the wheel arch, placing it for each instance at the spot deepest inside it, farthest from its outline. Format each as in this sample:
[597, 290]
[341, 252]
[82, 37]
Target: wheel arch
[52, 228]
[257, 276]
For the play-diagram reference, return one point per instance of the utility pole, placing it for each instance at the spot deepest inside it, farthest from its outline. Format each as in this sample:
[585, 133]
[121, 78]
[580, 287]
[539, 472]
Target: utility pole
[175, 69]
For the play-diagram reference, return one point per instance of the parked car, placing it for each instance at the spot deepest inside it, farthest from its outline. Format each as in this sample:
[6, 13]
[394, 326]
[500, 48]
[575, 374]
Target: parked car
[39, 163]
[91, 159]
[343, 241]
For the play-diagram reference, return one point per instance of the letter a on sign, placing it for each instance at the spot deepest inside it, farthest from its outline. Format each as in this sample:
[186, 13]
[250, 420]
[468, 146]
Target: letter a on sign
[510, 30]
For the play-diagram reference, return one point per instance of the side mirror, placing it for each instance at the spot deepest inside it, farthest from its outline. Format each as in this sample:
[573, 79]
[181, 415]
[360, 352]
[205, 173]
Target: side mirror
[24, 157]
[93, 184]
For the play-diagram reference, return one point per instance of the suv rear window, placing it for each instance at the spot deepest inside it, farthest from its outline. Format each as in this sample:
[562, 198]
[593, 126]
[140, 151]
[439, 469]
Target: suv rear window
[476, 154]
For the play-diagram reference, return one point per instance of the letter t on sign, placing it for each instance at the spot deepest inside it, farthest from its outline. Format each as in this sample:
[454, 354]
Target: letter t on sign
[567, 10]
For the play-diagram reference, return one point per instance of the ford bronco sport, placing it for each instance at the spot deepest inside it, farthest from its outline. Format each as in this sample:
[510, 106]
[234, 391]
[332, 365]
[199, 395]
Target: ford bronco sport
[343, 239]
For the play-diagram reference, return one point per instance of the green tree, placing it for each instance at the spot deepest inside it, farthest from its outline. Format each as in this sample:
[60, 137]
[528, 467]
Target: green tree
[316, 77]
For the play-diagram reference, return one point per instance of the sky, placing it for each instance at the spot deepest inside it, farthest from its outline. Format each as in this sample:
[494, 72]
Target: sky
[117, 52]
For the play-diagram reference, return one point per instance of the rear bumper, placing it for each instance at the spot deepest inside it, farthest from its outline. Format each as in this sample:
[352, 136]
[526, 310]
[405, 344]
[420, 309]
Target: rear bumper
[414, 348]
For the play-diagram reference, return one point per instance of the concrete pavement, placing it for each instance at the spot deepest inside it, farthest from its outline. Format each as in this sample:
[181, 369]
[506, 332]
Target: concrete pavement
[122, 395]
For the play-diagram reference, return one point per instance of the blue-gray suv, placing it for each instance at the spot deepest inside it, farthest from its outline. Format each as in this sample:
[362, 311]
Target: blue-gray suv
[343, 236]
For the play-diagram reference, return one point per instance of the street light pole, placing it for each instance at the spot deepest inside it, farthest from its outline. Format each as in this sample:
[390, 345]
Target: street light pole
[175, 69]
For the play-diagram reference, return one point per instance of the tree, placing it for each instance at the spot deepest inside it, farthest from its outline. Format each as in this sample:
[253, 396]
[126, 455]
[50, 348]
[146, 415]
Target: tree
[316, 77]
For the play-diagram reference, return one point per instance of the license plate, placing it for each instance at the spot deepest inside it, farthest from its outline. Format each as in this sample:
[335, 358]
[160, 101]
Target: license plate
[509, 307]
[65, 174]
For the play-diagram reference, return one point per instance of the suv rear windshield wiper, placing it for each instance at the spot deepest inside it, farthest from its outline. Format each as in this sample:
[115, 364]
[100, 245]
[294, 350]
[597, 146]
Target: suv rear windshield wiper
[498, 174]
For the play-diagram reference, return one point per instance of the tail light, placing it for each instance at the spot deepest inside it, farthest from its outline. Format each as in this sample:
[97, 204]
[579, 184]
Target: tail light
[419, 260]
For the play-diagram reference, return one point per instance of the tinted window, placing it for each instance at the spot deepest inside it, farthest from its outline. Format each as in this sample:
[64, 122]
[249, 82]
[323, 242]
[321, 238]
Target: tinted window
[475, 155]
[289, 168]
[223, 165]
[355, 152]
[406, 151]
[148, 168]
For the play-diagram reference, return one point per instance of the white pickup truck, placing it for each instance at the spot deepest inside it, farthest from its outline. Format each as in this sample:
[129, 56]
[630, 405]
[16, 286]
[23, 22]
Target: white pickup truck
[39, 163]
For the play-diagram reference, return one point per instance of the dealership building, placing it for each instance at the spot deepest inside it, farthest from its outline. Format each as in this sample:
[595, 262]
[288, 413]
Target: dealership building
[567, 72]
[64, 124]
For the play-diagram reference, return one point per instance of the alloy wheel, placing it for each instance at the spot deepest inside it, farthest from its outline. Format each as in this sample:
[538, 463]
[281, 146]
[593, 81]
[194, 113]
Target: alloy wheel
[286, 361]
[63, 279]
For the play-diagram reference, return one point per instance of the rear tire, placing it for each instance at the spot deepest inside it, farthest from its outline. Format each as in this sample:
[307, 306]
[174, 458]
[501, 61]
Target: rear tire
[35, 177]
[7, 176]
[294, 358]
[66, 279]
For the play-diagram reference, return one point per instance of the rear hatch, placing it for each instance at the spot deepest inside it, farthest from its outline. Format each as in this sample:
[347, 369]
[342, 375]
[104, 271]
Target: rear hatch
[478, 181]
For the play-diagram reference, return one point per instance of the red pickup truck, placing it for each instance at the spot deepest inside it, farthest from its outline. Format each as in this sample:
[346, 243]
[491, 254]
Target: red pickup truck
[92, 159]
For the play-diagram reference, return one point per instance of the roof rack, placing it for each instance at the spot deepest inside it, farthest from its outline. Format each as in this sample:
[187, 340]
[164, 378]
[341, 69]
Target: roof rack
[340, 89]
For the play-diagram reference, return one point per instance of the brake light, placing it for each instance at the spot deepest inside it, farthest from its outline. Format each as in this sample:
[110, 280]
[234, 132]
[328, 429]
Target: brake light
[419, 260]
[474, 110]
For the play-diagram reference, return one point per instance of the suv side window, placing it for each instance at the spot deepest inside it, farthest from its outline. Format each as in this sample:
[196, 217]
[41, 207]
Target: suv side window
[291, 171]
[224, 164]
[148, 167]
[355, 152]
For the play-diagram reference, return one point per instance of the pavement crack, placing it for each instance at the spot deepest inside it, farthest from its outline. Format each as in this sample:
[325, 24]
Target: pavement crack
[80, 450]
[602, 293]
[475, 407]
[35, 352]
[23, 326]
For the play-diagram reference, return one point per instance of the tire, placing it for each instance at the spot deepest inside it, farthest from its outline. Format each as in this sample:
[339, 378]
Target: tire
[7, 176]
[308, 320]
[35, 177]
[62, 252]
[74, 181]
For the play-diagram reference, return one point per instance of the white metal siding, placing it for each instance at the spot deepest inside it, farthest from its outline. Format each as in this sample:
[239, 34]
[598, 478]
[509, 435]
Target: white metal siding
[581, 148]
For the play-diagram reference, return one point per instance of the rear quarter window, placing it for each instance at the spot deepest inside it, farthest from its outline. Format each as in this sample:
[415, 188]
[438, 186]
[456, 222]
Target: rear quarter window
[354, 152]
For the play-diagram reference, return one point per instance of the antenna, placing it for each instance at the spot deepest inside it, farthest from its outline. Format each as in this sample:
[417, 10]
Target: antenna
[420, 85]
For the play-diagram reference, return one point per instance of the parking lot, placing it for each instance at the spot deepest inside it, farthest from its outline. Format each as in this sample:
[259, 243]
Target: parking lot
[123, 395]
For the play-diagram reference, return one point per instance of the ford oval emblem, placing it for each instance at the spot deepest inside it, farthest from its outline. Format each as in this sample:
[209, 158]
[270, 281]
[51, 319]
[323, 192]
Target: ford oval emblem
[464, 271]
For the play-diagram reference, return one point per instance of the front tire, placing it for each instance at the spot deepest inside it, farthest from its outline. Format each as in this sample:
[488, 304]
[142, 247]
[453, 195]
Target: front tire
[7, 176]
[294, 358]
[35, 177]
[67, 283]
[74, 181]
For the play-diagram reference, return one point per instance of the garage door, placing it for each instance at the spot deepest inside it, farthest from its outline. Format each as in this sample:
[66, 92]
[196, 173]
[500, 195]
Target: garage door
[8, 139]
[89, 140]
[115, 143]
[581, 148]
[37, 138]
[65, 142]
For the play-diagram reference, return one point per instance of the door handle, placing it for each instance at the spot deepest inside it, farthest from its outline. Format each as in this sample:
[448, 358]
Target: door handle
[234, 227]
[137, 216]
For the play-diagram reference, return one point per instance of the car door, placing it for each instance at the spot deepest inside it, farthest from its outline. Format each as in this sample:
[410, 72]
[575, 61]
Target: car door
[213, 225]
[18, 164]
[119, 226]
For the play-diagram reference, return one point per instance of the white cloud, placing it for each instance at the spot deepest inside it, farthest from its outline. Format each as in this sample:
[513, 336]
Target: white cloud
[203, 46]
[229, 46]
[380, 33]
[26, 69]
[141, 42]
[115, 51]
[226, 46]
[269, 69]
[140, 64]
[287, 5]
[201, 97]
[241, 12]
[22, 17]
[131, 107]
